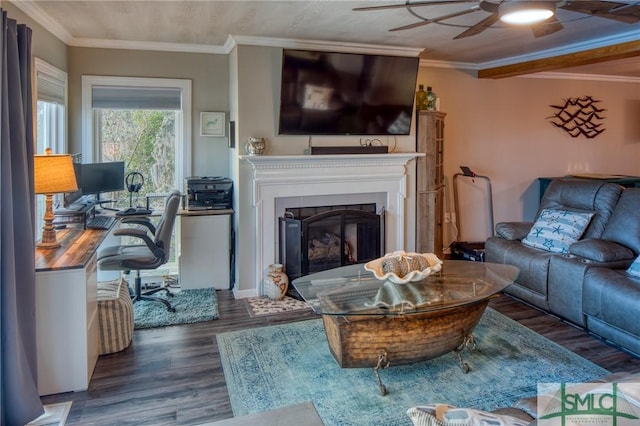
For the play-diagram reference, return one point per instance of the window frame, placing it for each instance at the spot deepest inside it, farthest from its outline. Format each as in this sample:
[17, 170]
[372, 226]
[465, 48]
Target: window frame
[55, 125]
[90, 139]
[55, 77]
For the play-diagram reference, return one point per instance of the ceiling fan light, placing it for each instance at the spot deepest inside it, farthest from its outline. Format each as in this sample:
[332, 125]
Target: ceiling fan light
[525, 12]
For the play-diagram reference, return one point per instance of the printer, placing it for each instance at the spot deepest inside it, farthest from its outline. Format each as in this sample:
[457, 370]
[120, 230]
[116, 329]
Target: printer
[205, 193]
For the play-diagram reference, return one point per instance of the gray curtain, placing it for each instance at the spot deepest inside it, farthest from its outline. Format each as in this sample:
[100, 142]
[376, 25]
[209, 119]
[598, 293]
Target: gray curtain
[20, 400]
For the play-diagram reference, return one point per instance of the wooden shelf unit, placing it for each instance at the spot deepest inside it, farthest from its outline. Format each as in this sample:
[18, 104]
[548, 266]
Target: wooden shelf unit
[430, 182]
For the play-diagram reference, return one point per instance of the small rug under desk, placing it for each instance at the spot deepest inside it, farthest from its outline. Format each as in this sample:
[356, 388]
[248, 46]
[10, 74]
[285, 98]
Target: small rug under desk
[191, 305]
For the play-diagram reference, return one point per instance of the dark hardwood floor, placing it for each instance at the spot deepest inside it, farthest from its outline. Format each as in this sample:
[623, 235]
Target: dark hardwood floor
[173, 375]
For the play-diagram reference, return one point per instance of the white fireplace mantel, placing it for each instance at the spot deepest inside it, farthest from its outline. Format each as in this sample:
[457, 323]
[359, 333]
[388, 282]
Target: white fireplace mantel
[281, 176]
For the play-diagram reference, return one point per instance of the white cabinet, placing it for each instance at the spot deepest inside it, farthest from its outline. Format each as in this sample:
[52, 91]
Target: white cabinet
[205, 253]
[67, 311]
[67, 328]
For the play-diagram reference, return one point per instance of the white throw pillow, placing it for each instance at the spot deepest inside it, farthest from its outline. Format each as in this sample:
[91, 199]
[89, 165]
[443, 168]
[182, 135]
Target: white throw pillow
[634, 269]
[555, 230]
[448, 415]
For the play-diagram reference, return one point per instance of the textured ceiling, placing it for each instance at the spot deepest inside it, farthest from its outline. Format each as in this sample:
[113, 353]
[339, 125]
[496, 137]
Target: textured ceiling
[209, 23]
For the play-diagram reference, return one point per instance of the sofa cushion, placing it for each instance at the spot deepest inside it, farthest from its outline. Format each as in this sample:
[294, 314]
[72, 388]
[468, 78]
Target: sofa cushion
[448, 415]
[602, 251]
[533, 264]
[624, 225]
[634, 269]
[584, 195]
[555, 230]
[513, 231]
[611, 297]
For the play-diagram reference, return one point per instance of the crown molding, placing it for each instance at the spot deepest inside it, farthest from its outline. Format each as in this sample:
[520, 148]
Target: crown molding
[545, 74]
[607, 48]
[631, 36]
[147, 45]
[584, 77]
[326, 45]
[34, 11]
[31, 9]
[448, 64]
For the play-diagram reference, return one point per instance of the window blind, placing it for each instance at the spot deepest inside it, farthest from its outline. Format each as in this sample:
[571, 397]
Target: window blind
[118, 97]
[49, 89]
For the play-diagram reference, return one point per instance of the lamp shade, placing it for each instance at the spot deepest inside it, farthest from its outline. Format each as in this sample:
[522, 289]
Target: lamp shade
[54, 174]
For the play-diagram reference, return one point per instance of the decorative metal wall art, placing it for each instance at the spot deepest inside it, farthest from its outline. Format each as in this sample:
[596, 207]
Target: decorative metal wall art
[579, 116]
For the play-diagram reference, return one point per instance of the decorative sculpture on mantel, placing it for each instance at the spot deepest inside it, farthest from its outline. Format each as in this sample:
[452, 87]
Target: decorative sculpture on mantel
[579, 116]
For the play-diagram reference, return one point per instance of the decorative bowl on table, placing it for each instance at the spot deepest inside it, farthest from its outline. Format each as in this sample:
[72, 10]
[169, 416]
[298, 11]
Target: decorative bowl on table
[401, 267]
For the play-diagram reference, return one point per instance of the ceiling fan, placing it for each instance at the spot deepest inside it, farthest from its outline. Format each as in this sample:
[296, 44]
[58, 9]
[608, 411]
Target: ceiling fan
[516, 12]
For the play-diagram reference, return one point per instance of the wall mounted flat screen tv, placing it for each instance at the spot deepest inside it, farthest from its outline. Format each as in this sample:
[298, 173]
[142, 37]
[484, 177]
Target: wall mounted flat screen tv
[328, 93]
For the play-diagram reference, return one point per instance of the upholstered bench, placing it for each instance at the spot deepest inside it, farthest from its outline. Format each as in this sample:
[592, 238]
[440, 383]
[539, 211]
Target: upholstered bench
[115, 316]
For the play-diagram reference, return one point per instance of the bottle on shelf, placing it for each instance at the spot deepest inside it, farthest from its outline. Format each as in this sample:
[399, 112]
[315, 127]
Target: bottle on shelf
[421, 98]
[431, 99]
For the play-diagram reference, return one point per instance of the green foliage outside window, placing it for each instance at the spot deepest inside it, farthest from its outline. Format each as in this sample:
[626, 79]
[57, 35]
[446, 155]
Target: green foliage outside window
[145, 141]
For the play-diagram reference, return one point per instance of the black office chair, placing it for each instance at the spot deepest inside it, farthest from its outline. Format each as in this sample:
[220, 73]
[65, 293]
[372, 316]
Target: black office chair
[154, 253]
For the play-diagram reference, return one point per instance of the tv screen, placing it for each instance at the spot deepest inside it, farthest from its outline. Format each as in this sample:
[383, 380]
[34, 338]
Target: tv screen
[327, 93]
[102, 177]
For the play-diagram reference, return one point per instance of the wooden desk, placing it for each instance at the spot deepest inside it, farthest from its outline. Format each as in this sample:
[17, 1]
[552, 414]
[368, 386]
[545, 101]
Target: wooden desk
[66, 311]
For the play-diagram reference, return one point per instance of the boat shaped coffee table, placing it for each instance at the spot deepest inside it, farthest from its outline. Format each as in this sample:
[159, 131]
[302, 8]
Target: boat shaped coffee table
[374, 323]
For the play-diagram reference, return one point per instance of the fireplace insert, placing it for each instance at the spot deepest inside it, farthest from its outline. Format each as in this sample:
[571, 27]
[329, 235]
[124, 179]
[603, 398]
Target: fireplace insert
[314, 239]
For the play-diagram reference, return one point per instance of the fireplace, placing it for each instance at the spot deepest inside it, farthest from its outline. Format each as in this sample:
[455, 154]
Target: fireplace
[314, 239]
[318, 180]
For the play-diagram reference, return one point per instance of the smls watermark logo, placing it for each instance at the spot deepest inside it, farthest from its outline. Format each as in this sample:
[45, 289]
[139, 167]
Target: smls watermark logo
[592, 404]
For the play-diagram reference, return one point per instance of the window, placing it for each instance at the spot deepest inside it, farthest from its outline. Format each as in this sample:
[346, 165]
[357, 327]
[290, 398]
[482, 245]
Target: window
[51, 120]
[142, 99]
[145, 122]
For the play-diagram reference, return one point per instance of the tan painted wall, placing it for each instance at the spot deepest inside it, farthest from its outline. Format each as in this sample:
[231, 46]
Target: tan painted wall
[499, 128]
[208, 73]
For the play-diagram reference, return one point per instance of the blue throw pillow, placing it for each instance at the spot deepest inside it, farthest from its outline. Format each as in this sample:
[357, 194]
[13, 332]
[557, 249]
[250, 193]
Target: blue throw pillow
[634, 269]
[555, 230]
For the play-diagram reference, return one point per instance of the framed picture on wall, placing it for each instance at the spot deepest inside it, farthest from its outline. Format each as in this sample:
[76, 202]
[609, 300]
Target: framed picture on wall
[212, 124]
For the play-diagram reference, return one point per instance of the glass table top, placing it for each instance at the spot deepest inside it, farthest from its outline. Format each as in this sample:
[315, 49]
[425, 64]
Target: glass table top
[351, 290]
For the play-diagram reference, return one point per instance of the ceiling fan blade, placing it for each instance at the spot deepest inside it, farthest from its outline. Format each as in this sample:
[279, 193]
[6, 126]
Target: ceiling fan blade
[412, 26]
[550, 26]
[479, 27]
[622, 12]
[438, 19]
[410, 4]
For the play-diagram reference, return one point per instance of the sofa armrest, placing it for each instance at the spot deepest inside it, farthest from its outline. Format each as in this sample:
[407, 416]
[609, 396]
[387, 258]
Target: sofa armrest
[513, 231]
[602, 251]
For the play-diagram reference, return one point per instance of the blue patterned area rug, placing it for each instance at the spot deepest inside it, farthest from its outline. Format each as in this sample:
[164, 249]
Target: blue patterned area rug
[191, 305]
[282, 365]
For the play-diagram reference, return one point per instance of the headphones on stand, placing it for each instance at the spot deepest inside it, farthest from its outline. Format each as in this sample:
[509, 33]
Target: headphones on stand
[134, 182]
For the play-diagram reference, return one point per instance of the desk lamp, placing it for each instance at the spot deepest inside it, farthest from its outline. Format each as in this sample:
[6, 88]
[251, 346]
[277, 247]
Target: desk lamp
[53, 174]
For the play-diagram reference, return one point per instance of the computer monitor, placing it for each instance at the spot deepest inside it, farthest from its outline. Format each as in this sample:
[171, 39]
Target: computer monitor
[71, 197]
[96, 178]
